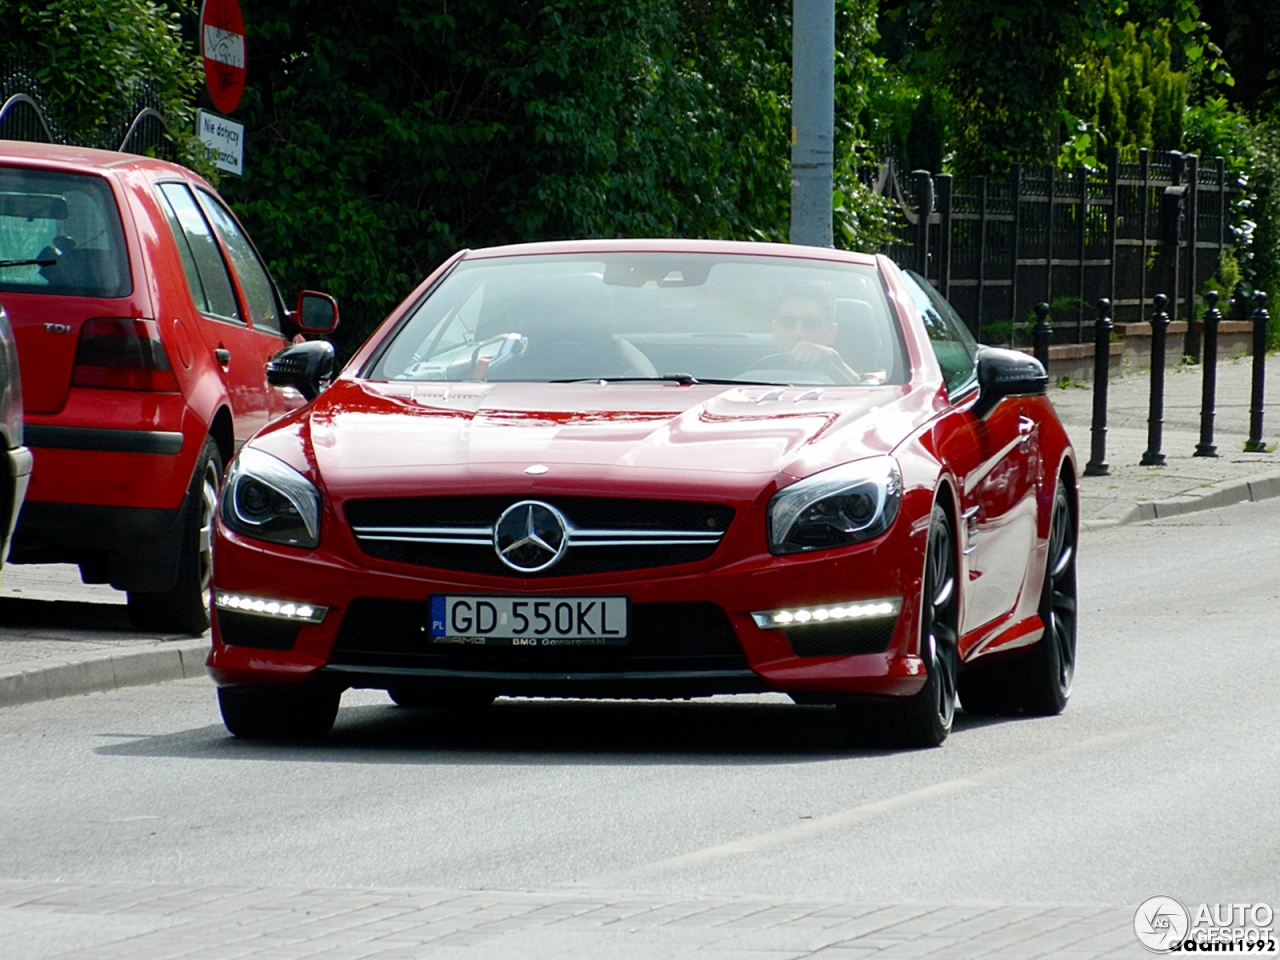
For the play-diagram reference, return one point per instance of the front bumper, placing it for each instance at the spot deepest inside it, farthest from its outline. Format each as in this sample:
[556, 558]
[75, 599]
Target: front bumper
[368, 598]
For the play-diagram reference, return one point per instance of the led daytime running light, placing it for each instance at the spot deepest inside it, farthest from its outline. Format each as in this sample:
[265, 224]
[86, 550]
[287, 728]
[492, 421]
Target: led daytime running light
[827, 613]
[265, 607]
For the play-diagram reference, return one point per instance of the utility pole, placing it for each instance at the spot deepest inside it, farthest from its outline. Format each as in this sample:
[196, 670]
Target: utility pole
[813, 68]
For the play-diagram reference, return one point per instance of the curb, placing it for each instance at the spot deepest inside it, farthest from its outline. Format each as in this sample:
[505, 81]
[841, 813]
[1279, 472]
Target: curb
[1224, 494]
[54, 677]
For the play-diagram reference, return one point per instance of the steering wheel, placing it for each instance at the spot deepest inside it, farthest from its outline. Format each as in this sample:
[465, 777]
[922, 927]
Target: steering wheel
[783, 361]
[513, 344]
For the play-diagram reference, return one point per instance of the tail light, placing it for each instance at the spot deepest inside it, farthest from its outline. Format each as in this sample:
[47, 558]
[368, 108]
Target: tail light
[122, 354]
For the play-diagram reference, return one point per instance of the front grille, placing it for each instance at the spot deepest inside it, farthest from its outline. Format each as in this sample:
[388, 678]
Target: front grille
[665, 638]
[606, 535]
[844, 638]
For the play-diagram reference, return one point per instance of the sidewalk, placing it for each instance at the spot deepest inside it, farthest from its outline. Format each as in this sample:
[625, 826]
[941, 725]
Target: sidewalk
[1131, 492]
[48, 652]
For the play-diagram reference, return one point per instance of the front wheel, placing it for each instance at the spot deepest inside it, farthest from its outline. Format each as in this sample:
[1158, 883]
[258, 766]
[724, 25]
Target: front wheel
[922, 720]
[1036, 682]
[1049, 668]
[279, 712]
[185, 607]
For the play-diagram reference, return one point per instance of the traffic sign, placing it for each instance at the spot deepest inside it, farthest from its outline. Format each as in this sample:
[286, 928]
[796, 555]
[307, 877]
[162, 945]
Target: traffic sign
[223, 139]
[223, 51]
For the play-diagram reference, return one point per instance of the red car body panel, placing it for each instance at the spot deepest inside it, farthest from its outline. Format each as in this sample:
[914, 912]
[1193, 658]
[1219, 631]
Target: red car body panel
[706, 443]
[227, 402]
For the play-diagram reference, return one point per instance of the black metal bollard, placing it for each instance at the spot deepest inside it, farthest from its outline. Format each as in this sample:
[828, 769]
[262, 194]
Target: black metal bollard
[1155, 412]
[1041, 334]
[1097, 465]
[1209, 369]
[1254, 444]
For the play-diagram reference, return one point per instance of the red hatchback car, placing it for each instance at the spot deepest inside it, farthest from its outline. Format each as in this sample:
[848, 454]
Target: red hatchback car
[144, 320]
[656, 469]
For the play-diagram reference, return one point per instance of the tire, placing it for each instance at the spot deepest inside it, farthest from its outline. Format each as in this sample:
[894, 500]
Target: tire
[924, 719]
[412, 698]
[1048, 668]
[279, 712]
[1036, 682]
[185, 607]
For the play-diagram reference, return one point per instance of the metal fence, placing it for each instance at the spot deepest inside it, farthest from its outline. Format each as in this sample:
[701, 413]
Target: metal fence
[24, 115]
[997, 246]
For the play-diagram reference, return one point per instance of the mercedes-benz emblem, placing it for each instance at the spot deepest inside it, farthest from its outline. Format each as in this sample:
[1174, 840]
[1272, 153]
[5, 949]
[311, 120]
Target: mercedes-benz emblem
[530, 536]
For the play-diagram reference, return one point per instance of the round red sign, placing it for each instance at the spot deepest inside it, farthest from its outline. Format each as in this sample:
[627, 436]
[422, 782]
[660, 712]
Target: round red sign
[222, 47]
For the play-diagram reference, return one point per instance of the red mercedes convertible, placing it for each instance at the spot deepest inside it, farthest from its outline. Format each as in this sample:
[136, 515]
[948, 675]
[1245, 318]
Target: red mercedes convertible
[654, 469]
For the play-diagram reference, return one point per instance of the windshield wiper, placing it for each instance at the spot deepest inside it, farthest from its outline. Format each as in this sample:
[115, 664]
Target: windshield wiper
[28, 263]
[684, 379]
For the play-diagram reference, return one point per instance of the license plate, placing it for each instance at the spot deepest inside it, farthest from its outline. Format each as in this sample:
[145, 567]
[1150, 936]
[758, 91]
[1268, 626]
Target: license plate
[530, 621]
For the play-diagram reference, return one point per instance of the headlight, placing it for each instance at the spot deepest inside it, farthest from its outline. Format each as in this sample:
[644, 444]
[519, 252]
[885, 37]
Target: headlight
[846, 504]
[268, 499]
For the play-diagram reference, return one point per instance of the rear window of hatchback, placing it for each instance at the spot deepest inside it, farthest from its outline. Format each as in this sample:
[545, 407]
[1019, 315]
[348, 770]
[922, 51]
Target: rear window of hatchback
[67, 229]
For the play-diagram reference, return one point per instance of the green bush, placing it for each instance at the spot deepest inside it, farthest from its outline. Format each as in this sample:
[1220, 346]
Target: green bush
[384, 136]
[1126, 94]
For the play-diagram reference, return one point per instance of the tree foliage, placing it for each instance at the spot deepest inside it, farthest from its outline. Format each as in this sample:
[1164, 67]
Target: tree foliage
[1127, 94]
[1005, 64]
[94, 58]
[381, 137]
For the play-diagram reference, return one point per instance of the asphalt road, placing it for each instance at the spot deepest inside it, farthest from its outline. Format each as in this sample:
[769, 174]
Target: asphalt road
[1160, 778]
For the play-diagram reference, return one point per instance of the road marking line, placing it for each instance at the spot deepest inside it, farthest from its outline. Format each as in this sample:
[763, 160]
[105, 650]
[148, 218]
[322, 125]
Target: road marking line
[845, 818]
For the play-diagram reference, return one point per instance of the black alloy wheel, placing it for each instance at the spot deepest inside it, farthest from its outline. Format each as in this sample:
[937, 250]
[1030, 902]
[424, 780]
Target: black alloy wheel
[1036, 682]
[924, 719]
[1049, 667]
[185, 607]
[279, 711]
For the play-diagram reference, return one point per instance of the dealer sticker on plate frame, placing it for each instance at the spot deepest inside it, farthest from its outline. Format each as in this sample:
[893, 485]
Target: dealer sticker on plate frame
[513, 621]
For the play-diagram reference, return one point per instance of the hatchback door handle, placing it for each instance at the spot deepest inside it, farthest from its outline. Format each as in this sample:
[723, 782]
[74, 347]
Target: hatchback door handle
[223, 355]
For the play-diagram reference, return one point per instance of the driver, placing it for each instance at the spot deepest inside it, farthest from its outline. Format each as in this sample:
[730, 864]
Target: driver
[804, 328]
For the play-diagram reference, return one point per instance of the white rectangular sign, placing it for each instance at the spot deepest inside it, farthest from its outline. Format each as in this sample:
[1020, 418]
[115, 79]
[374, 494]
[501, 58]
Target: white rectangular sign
[224, 47]
[223, 139]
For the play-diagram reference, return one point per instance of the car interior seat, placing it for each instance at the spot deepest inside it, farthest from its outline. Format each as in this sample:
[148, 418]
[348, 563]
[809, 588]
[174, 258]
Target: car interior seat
[865, 342]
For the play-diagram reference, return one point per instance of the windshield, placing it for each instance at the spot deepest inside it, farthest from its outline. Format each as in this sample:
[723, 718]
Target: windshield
[650, 315]
[60, 234]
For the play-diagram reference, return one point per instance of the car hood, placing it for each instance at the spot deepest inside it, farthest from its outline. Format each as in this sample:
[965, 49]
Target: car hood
[396, 438]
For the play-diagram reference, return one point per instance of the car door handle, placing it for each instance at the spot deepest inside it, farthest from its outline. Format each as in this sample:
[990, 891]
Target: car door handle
[223, 355]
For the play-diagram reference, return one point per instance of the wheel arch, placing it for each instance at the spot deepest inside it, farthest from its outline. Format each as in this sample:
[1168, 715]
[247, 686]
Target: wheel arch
[222, 430]
[1067, 476]
[944, 495]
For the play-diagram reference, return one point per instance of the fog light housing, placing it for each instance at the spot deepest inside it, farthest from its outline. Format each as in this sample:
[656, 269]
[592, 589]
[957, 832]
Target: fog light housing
[268, 607]
[790, 618]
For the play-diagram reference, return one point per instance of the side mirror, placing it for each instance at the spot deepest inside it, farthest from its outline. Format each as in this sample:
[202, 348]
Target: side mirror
[317, 312]
[1007, 373]
[307, 367]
